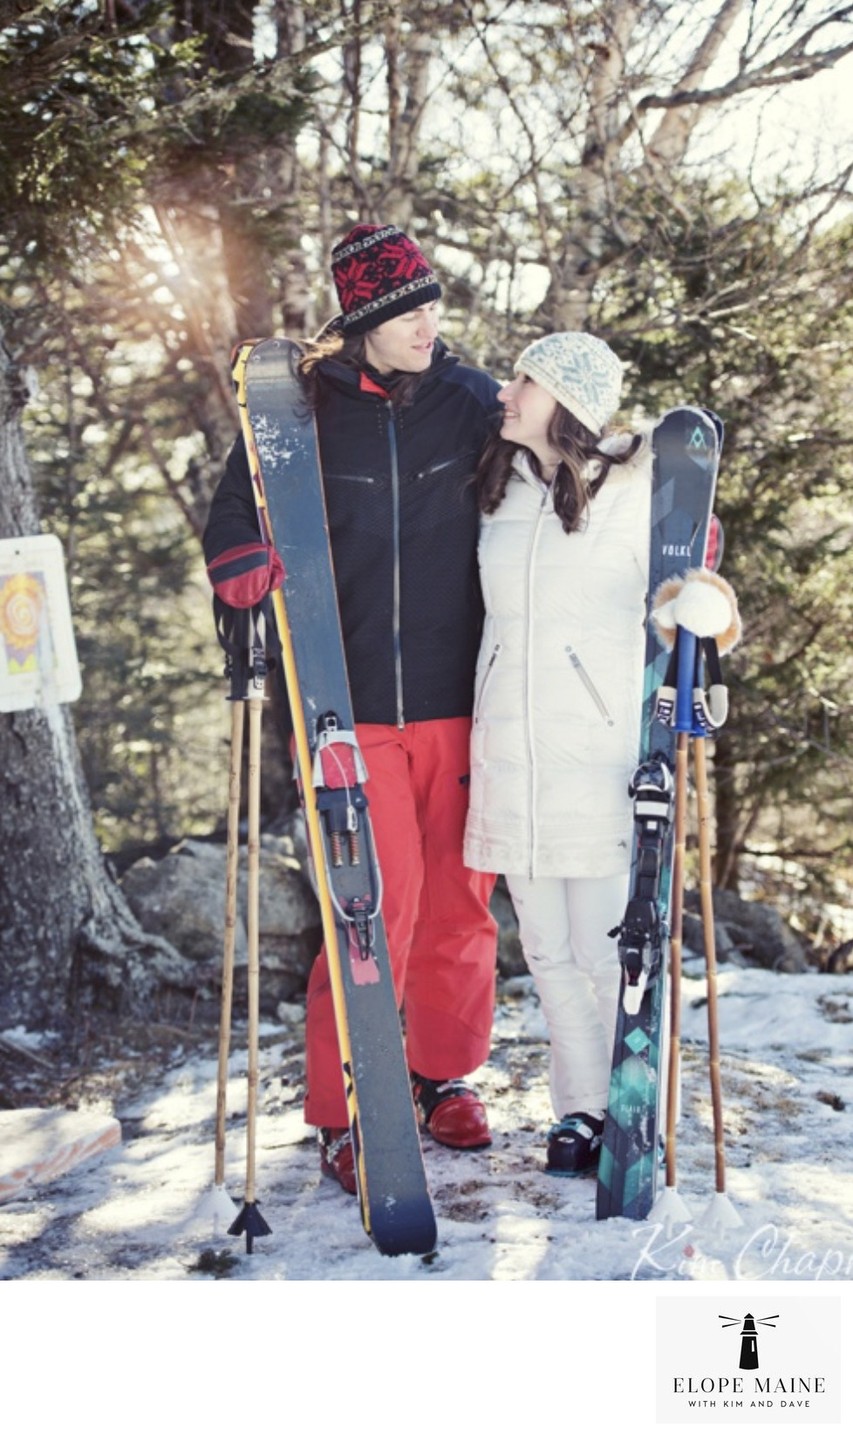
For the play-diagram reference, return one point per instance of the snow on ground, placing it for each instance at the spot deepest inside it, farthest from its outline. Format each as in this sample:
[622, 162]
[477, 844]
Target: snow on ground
[116, 1285]
[787, 1073]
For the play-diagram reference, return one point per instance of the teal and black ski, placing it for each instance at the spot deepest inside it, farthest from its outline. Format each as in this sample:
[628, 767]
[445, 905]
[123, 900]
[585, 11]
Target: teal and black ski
[281, 442]
[686, 446]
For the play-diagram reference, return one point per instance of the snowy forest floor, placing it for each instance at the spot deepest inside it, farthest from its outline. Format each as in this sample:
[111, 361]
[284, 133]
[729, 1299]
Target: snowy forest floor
[136, 1212]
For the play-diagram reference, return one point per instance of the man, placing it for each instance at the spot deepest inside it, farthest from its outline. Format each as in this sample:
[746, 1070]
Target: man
[401, 424]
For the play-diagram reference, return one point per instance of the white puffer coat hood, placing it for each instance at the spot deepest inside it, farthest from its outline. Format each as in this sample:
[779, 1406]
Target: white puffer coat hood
[558, 693]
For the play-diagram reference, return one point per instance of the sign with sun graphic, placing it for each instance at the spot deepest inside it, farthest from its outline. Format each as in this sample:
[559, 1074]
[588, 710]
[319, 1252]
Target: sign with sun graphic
[38, 655]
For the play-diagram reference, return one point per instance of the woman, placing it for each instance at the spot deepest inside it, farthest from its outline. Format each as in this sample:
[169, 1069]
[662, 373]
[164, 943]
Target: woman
[401, 424]
[563, 558]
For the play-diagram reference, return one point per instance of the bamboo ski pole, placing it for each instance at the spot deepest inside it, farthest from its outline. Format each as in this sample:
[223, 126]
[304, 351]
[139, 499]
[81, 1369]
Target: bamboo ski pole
[249, 1220]
[218, 1206]
[720, 1213]
[253, 901]
[231, 865]
[669, 1208]
[676, 944]
[696, 616]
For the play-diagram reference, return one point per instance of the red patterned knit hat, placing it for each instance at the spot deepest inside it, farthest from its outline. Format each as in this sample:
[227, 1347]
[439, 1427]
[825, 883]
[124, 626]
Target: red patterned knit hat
[379, 273]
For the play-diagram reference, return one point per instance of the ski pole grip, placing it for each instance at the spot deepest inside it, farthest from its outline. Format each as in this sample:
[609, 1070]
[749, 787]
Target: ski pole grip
[686, 642]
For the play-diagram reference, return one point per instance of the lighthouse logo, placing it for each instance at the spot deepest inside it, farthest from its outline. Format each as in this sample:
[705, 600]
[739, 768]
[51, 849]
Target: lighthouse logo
[749, 1337]
[751, 1362]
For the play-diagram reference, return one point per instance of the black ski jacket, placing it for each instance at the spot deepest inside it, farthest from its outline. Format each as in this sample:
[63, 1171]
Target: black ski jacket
[403, 522]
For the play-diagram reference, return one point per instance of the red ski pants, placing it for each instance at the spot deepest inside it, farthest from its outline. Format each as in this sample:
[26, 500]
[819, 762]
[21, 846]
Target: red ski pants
[441, 934]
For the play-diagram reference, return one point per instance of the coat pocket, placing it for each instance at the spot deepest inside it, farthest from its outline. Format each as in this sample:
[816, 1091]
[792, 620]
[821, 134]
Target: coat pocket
[487, 678]
[586, 680]
[458, 467]
[356, 503]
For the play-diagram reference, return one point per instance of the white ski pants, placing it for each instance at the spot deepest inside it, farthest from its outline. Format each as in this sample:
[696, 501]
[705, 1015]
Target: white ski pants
[563, 924]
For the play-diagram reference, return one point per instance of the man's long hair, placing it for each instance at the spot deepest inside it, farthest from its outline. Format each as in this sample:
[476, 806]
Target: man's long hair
[350, 350]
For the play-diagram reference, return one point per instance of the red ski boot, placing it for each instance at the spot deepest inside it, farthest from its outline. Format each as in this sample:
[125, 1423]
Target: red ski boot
[451, 1112]
[337, 1158]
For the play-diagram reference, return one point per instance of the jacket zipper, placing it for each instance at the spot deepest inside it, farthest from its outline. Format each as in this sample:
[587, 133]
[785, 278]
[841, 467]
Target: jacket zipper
[395, 509]
[528, 685]
[485, 683]
[589, 685]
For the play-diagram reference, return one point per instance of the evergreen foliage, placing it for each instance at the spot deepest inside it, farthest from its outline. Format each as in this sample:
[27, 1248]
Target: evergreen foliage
[172, 180]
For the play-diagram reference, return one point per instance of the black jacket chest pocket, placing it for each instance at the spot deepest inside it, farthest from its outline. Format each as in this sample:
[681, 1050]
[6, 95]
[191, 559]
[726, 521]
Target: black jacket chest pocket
[447, 471]
[440, 496]
[356, 502]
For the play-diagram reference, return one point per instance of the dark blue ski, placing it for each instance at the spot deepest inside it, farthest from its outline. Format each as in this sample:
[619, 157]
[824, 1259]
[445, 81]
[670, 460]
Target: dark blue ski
[686, 446]
[282, 445]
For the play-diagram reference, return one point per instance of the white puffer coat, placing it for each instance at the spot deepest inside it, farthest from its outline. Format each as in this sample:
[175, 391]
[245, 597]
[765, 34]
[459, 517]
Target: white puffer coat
[559, 683]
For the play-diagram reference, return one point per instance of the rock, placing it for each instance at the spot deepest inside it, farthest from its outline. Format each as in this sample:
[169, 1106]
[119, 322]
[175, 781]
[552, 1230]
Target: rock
[510, 955]
[753, 931]
[287, 905]
[182, 898]
[840, 959]
[725, 946]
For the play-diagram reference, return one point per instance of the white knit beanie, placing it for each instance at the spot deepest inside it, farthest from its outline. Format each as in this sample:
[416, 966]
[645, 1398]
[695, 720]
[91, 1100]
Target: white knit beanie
[581, 372]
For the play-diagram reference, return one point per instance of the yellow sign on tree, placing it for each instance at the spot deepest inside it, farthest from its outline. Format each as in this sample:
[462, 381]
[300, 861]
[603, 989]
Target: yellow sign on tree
[38, 655]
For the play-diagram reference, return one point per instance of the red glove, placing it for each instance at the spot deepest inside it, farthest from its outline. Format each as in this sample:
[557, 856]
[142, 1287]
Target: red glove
[242, 576]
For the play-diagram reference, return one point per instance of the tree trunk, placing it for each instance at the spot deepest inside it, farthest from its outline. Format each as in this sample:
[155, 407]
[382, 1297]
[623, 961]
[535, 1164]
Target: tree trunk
[64, 925]
[408, 60]
[605, 228]
[727, 816]
[669, 143]
[586, 246]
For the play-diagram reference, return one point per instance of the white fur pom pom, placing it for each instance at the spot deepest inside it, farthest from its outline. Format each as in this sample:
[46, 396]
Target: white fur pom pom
[664, 617]
[702, 609]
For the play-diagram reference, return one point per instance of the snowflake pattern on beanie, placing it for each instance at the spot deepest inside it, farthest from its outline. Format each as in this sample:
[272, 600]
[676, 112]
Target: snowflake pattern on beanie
[580, 371]
[379, 273]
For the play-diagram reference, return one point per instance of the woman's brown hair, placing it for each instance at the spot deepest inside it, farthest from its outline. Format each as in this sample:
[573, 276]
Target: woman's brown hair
[576, 445]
